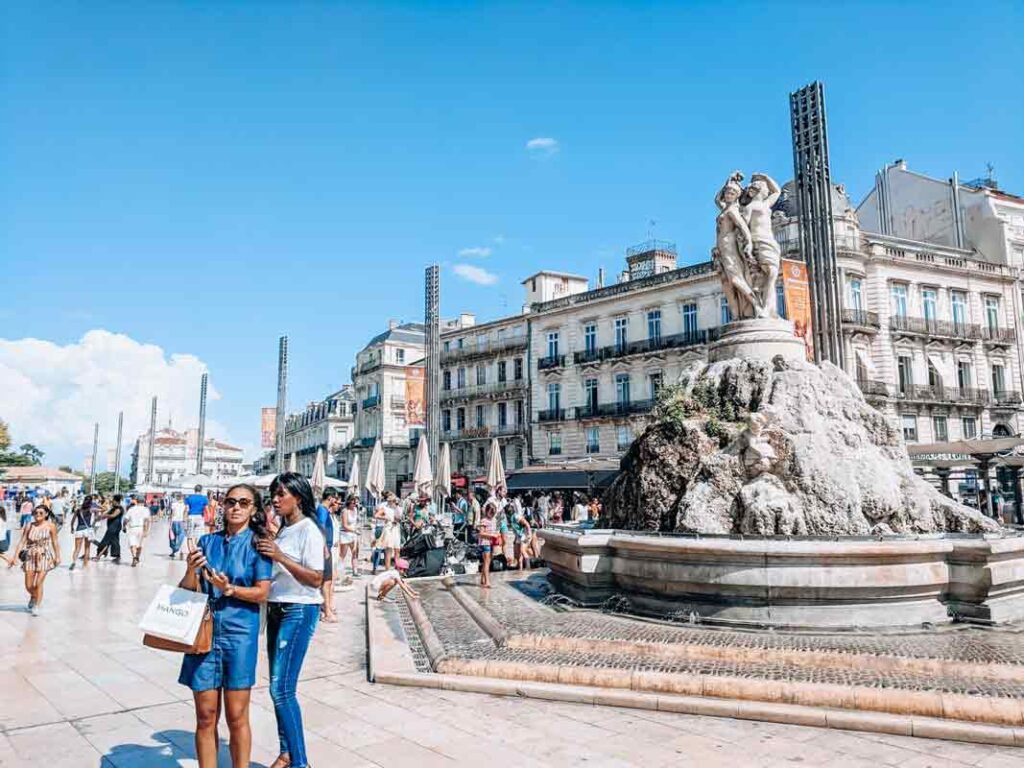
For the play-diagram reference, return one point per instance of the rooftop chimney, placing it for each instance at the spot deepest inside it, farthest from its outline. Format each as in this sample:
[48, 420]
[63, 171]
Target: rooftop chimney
[600, 277]
[392, 324]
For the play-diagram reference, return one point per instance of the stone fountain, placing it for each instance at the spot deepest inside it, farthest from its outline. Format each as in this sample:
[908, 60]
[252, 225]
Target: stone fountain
[767, 491]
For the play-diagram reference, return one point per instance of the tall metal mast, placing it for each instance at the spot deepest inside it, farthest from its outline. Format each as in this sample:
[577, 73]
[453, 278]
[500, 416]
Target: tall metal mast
[117, 453]
[152, 441]
[95, 449]
[432, 373]
[202, 424]
[282, 401]
[813, 180]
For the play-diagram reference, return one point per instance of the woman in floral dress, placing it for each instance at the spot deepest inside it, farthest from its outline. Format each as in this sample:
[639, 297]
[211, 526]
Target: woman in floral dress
[41, 555]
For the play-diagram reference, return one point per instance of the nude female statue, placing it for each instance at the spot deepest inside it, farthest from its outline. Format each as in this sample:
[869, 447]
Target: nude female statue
[757, 201]
[734, 250]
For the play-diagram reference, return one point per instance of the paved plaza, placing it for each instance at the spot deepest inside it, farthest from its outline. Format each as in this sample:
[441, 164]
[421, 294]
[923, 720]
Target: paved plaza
[78, 689]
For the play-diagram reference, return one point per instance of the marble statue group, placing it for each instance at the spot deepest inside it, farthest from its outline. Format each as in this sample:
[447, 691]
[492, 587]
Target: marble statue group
[746, 253]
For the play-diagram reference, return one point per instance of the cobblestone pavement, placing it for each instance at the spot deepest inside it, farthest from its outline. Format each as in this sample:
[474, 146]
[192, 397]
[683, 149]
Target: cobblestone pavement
[520, 613]
[523, 607]
[78, 689]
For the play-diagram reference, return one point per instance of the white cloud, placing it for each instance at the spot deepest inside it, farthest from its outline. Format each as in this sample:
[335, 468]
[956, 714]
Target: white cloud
[475, 274]
[542, 145]
[499, 239]
[51, 394]
[481, 251]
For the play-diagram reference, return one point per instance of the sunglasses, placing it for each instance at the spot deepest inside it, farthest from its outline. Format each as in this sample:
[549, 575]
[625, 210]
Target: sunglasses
[231, 501]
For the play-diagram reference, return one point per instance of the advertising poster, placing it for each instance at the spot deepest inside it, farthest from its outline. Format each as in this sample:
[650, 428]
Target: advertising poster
[415, 402]
[798, 301]
[268, 427]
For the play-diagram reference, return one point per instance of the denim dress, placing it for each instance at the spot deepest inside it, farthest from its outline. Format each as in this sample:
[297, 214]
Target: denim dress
[231, 662]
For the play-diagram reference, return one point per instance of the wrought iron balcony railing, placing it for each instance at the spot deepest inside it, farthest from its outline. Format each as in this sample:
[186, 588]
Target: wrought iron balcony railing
[610, 410]
[555, 414]
[371, 402]
[552, 361]
[943, 329]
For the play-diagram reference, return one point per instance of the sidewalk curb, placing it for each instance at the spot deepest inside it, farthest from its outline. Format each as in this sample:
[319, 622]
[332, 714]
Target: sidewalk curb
[789, 714]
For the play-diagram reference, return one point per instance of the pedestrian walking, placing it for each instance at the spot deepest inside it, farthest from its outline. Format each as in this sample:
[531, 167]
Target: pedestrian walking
[236, 578]
[137, 518]
[5, 531]
[196, 505]
[390, 540]
[293, 605]
[24, 510]
[81, 531]
[348, 535]
[324, 516]
[111, 540]
[488, 538]
[39, 553]
[176, 532]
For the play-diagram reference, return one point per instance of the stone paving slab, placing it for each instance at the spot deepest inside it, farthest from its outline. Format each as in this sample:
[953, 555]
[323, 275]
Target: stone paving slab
[88, 629]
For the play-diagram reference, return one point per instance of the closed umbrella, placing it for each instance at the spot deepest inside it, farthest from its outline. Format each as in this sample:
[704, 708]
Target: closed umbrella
[353, 476]
[319, 473]
[422, 477]
[443, 483]
[495, 468]
[375, 471]
[292, 464]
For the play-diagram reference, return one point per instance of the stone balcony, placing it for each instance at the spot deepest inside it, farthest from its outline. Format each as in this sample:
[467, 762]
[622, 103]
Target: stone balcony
[550, 362]
[861, 319]
[902, 325]
[930, 393]
[685, 340]
[490, 347]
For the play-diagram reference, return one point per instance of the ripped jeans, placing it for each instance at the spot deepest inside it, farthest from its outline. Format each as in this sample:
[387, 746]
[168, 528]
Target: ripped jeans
[290, 628]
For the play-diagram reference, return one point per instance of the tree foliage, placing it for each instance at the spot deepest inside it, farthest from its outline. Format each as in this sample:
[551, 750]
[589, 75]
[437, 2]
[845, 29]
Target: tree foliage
[5, 436]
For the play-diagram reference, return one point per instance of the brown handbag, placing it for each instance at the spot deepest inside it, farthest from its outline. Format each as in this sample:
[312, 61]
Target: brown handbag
[203, 642]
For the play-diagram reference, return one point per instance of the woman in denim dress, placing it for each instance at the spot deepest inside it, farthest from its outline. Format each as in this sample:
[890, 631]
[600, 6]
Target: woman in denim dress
[236, 578]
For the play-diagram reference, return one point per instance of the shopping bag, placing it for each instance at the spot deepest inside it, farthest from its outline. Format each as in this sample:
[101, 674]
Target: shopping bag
[175, 615]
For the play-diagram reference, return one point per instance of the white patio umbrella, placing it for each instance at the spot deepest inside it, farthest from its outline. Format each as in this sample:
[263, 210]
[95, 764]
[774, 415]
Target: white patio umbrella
[422, 477]
[353, 476]
[375, 471]
[319, 472]
[443, 482]
[495, 468]
[292, 464]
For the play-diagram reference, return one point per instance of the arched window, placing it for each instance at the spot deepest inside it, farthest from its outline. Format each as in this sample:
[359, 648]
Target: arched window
[1001, 430]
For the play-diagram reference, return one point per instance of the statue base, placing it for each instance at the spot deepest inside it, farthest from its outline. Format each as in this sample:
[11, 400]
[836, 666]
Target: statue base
[761, 338]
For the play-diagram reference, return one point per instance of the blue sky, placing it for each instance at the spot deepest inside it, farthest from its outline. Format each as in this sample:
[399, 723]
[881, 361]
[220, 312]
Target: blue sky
[204, 176]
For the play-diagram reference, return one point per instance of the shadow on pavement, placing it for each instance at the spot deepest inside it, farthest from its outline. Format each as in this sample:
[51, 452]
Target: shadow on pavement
[174, 748]
[14, 608]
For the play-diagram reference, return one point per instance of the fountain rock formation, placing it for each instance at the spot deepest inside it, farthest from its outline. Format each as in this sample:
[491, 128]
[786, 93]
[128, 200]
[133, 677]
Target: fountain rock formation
[747, 446]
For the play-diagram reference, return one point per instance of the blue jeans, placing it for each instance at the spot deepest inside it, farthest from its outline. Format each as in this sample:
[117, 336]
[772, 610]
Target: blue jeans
[177, 537]
[290, 628]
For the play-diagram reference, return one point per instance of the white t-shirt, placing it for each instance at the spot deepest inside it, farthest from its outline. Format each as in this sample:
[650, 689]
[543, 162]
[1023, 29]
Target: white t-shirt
[303, 543]
[57, 507]
[178, 511]
[378, 581]
[136, 516]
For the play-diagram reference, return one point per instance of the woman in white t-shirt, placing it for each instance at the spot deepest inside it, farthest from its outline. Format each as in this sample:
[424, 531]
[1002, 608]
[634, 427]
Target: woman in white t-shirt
[293, 607]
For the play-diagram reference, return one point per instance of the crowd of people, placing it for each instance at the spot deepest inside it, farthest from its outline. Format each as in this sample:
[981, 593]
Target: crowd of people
[250, 555]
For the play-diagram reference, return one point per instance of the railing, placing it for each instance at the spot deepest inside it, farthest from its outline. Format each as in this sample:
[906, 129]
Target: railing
[371, 402]
[940, 394]
[484, 389]
[862, 318]
[557, 414]
[364, 442]
[607, 410]
[490, 347]
[552, 361]
[369, 365]
[477, 433]
[998, 335]
[1006, 397]
[683, 273]
[937, 328]
[872, 387]
[671, 341]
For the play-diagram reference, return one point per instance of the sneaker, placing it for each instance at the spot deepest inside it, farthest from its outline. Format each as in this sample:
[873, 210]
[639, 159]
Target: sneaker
[72, 566]
[31, 603]
[35, 610]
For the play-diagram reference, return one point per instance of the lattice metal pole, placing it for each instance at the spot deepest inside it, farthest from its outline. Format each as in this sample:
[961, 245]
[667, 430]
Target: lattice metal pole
[95, 450]
[202, 424]
[282, 401]
[432, 373]
[813, 180]
[152, 441]
[117, 453]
